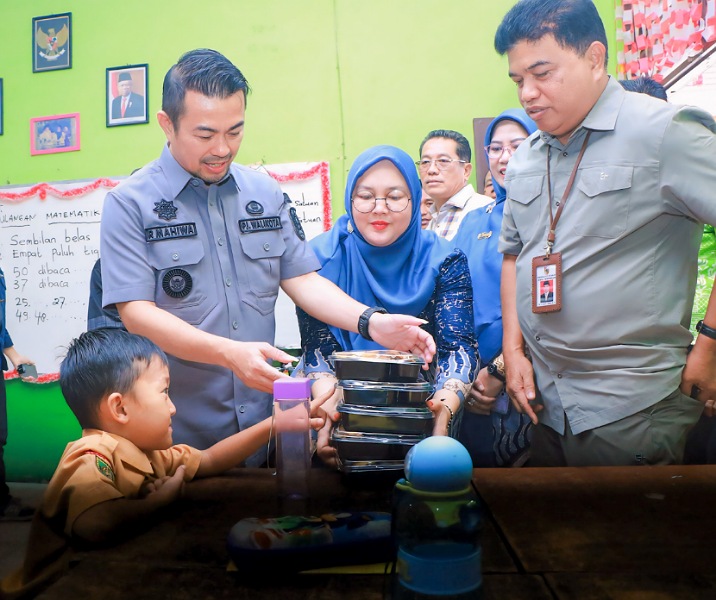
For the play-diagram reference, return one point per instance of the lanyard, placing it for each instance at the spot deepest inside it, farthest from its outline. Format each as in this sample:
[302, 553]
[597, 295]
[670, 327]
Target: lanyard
[553, 219]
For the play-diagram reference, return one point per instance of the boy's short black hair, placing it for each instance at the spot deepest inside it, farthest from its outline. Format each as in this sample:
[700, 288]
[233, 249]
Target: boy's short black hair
[100, 362]
[575, 24]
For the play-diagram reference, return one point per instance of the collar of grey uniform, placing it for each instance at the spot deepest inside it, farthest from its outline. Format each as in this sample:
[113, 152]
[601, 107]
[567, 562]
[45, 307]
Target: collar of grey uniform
[602, 117]
[177, 176]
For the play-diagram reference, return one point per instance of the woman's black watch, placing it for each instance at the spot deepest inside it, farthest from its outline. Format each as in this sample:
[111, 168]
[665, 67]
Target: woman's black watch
[496, 368]
[365, 317]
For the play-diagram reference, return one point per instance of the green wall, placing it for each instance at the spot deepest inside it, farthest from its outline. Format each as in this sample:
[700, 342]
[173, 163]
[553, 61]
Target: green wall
[329, 77]
[40, 425]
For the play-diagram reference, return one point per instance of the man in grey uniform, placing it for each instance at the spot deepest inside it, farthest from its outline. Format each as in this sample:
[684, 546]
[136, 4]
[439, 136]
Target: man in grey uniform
[194, 249]
[609, 199]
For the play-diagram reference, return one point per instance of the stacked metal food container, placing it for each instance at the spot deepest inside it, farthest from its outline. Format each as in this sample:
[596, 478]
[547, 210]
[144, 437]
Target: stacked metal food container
[383, 410]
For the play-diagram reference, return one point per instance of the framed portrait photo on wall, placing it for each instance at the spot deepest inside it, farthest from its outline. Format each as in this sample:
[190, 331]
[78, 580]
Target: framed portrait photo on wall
[127, 97]
[58, 133]
[52, 42]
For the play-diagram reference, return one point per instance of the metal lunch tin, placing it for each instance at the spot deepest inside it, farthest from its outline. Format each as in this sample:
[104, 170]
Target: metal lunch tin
[380, 419]
[377, 365]
[355, 446]
[370, 466]
[370, 393]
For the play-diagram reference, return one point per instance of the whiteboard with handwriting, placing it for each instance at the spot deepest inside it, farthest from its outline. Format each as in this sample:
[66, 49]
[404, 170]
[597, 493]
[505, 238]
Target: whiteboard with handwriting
[49, 242]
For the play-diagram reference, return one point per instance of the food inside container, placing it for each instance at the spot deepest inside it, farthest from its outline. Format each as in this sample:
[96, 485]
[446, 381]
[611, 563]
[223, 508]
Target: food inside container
[356, 446]
[381, 419]
[377, 365]
[369, 393]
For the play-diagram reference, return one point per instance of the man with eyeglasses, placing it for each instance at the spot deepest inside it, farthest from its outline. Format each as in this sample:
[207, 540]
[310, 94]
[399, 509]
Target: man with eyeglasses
[445, 168]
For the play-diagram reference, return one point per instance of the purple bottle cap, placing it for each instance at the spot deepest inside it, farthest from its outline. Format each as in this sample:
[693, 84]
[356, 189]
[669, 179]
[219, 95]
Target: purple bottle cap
[293, 388]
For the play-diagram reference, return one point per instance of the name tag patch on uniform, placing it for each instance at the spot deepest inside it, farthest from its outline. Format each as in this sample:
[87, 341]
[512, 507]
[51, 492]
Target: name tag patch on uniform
[260, 224]
[169, 232]
[254, 208]
[165, 210]
[485, 235]
[297, 227]
[177, 283]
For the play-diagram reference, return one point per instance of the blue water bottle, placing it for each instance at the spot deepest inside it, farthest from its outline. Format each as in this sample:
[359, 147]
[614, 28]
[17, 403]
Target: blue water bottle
[437, 522]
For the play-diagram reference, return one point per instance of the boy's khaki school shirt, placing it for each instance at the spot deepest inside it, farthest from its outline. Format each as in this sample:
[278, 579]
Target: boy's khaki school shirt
[96, 468]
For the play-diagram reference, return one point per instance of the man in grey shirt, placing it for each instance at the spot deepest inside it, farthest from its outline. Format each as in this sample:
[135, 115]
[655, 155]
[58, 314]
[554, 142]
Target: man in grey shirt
[618, 242]
[194, 249]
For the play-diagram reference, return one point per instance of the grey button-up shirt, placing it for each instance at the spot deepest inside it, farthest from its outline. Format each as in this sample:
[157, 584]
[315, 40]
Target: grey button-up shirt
[214, 256]
[629, 237]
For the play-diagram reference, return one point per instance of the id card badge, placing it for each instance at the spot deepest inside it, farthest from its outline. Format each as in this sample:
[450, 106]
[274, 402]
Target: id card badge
[547, 283]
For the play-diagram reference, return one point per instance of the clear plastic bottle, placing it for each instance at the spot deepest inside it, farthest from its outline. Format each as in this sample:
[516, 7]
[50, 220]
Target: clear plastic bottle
[437, 522]
[292, 409]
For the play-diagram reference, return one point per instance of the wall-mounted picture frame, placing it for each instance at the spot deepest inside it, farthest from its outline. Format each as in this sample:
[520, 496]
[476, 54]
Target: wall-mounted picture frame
[52, 42]
[127, 95]
[2, 112]
[57, 133]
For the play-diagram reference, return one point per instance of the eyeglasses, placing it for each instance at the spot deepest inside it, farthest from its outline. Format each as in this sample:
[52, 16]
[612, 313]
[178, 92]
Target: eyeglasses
[365, 202]
[495, 150]
[440, 163]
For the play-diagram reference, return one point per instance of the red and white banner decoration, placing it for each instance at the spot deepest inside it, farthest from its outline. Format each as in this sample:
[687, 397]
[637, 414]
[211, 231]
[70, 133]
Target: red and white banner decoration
[657, 35]
[49, 242]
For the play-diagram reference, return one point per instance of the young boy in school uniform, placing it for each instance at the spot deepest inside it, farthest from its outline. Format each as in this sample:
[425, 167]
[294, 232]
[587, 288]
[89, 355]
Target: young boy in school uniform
[124, 469]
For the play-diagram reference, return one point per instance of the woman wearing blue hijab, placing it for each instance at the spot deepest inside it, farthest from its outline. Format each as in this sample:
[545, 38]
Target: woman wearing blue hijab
[493, 431]
[378, 254]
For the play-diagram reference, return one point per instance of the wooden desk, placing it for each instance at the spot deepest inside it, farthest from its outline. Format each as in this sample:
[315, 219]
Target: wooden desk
[639, 532]
[608, 532]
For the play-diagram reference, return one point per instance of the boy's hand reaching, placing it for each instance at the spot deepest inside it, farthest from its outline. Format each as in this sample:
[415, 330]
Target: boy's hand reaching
[296, 419]
[165, 490]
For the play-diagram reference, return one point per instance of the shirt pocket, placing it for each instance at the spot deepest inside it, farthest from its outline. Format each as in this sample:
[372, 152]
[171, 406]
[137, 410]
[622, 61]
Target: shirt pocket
[262, 263]
[525, 212]
[603, 204]
[182, 278]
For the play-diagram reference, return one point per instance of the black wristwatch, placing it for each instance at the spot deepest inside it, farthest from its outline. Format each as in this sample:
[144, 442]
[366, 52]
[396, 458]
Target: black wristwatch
[493, 370]
[365, 317]
[704, 329]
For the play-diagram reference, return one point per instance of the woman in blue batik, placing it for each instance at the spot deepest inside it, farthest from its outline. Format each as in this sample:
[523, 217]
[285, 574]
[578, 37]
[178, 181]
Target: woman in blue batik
[378, 254]
[495, 434]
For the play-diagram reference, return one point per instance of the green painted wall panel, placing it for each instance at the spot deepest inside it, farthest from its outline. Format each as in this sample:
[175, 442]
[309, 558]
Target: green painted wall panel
[40, 424]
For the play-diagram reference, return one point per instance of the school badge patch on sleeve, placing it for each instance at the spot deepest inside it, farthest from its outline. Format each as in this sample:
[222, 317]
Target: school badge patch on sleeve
[102, 465]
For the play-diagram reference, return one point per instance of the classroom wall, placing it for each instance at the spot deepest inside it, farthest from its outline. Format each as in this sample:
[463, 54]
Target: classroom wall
[329, 79]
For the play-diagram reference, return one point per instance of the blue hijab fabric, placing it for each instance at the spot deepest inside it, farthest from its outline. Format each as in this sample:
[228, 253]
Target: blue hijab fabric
[400, 277]
[520, 117]
[477, 237]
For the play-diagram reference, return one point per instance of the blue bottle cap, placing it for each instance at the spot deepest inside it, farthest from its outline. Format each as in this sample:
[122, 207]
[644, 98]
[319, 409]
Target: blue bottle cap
[291, 388]
[438, 464]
